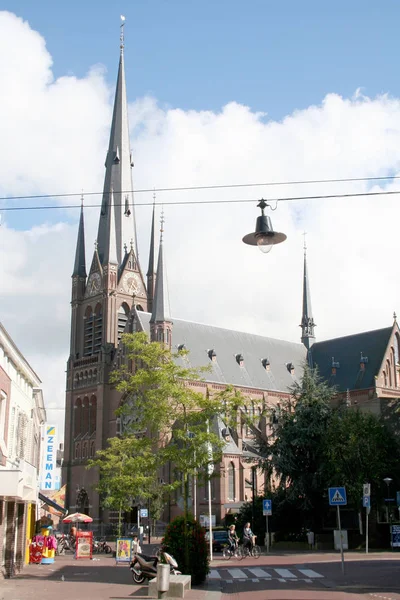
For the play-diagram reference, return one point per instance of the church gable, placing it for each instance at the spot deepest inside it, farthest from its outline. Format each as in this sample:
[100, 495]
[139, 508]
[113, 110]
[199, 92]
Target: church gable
[95, 279]
[131, 280]
[388, 376]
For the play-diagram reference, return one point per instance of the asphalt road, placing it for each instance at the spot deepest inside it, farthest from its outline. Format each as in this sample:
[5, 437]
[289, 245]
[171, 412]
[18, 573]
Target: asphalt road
[316, 576]
[300, 576]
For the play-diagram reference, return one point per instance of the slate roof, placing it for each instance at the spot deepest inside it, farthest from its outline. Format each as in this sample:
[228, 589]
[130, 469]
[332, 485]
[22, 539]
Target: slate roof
[199, 339]
[347, 351]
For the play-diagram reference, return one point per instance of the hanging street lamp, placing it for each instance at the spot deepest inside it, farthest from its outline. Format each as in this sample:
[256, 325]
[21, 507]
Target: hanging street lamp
[264, 236]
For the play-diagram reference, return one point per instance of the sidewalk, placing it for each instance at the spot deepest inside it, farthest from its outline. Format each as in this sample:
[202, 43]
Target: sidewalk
[70, 579]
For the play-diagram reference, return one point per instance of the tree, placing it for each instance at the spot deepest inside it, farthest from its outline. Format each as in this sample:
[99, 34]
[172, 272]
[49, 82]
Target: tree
[296, 455]
[298, 452]
[161, 403]
[127, 468]
[360, 449]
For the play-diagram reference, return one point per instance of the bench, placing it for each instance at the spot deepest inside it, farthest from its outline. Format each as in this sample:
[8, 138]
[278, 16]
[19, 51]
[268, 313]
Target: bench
[178, 585]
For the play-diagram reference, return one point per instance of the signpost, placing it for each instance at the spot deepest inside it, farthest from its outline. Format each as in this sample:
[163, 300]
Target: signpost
[267, 512]
[367, 506]
[210, 471]
[337, 497]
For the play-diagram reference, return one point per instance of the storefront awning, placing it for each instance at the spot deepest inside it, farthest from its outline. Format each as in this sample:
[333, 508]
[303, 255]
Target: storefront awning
[53, 504]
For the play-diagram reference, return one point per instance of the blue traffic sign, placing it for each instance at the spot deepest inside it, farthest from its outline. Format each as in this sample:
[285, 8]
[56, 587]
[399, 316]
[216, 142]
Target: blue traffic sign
[267, 508]
[367, 501]
[144, 513]
[337, 496]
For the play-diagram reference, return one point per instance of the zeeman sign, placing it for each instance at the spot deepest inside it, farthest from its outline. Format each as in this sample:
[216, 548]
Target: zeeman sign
[50, 459]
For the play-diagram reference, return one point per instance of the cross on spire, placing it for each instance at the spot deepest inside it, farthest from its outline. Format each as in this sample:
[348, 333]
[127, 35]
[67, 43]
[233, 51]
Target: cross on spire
[121, 35]
[162, 221]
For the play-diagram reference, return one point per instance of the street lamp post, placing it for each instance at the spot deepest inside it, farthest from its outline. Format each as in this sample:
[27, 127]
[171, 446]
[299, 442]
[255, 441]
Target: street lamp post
[388, 481]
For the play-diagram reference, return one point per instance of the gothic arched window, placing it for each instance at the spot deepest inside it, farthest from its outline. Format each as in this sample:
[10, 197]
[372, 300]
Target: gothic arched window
[88, 332]
[98, 328]
[231, 482]
[85, 416]
[123, 313]
[78, 417]
[389, 372]
[92, 415]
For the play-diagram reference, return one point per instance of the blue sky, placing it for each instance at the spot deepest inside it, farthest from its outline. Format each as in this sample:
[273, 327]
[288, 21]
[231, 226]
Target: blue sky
[272, 56]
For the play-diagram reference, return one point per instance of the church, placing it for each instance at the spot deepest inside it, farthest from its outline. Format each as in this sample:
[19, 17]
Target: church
[114, 296]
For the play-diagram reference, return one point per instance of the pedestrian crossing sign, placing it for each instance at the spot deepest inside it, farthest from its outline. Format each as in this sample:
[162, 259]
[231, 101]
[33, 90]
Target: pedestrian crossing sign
[337, 496]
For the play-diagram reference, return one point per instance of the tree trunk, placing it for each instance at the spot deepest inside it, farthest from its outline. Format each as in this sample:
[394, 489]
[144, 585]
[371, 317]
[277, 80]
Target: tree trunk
[185, 516]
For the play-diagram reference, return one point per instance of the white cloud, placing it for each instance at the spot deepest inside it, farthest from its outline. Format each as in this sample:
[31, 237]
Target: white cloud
[54, 136]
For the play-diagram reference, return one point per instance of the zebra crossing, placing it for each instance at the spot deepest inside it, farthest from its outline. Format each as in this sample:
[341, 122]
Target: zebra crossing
[256, 574]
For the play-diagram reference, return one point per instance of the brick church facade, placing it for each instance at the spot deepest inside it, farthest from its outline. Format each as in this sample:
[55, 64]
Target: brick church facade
[114, 296]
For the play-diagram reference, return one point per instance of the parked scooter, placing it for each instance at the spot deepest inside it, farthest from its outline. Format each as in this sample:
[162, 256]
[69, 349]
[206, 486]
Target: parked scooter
[145, 567]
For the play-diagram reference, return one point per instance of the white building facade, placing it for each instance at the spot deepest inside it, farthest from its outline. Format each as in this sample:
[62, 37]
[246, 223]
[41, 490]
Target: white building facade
[22, 416]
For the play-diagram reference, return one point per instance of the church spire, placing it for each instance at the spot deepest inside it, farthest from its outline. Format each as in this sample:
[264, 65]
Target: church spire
[80, 260]
[151, 274]
[160, 321]
[110, 251]
[118, 175]
[307, 321]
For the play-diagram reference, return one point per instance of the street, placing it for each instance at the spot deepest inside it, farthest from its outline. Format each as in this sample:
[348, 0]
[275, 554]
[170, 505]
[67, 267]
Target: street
[301, 576]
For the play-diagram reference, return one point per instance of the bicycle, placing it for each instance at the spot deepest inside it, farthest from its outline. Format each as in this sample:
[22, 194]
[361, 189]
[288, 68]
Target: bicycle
[227, 553]
[101, 546]
[254, 551]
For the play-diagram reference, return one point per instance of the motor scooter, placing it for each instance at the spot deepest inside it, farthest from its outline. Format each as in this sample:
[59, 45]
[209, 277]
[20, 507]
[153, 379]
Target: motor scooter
[145, 567]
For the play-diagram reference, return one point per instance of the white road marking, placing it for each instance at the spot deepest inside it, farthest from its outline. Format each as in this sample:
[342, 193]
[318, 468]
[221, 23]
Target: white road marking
[255, 580]
[285, 573]
[310, 573]
[281, 580]
[214, 574]
[259, 572]
[237, 573]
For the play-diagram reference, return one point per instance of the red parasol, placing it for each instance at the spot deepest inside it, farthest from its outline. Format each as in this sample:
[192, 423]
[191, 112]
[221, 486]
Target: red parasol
[77, 518]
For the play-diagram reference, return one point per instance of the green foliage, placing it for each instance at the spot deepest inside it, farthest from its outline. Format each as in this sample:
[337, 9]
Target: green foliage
[360, 448]
[127, 469]
[298, 453]
[316, 446]
[195, 561]
[160, 399]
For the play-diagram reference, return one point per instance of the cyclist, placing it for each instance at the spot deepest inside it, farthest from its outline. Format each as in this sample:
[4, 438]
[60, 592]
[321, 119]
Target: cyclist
[248, 537]
[233, 539]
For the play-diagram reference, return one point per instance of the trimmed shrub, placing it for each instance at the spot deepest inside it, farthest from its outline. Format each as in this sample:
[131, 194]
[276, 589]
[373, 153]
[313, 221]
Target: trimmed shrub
[195, 560]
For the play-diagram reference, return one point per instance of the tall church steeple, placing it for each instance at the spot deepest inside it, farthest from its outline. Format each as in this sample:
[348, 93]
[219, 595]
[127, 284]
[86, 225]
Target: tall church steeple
[118, 177]
[160, 321]
[307, 321]
[151, 274]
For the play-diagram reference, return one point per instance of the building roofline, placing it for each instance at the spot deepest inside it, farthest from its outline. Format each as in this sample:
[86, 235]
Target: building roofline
[352, 335]
[19, 353]
[227, 329]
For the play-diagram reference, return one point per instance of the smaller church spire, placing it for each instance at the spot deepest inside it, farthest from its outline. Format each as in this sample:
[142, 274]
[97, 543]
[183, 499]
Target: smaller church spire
[160, 321]
[151, 274]
[110, 253]
[80, 259]
[307, 321]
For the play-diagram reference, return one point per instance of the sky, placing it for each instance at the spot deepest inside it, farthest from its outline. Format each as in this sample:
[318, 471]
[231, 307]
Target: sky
[222, 93]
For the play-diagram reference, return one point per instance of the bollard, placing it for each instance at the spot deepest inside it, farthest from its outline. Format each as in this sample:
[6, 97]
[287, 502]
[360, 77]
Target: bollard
[163, 573]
